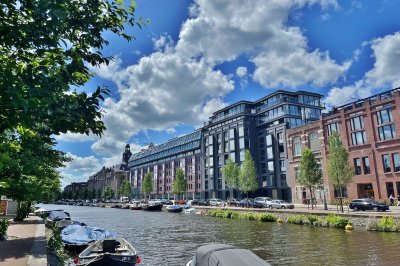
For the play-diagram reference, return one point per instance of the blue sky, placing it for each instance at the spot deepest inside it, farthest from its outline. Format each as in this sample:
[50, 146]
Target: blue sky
[196, 57]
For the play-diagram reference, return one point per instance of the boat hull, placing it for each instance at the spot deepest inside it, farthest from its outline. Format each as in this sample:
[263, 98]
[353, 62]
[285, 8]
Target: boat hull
[174, 208]
[111, 260]
[155, 207]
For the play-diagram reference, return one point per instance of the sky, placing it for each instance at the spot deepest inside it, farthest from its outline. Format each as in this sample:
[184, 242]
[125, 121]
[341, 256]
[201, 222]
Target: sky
[196, 57]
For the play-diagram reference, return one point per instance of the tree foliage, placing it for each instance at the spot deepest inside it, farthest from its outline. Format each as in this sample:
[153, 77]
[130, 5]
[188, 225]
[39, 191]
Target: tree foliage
[310, 174]
[248, 175]
[125, 189]
[340, 172]
[108, 193]
[147, 186]
[180, 184]
[231, 173]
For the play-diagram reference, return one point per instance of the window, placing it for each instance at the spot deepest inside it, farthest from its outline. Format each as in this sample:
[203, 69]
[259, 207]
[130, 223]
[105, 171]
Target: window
[396, 162]
[232, 133]
[270, 153]
[357, 123]
[367, 169]
[357, 166]
[232, 145]
[241, 155]
[358, 138]
[296, 146]
[313, 141]
[271, 166]
[333, 127]
[241, 143]
[384, 116]
[268, 139]
[283, 166]
[386, 163]
[280, 138]
[241, 131]
[387, 132]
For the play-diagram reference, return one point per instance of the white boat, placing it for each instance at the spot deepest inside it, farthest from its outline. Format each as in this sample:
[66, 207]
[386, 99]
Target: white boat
[112, 252]
[189, 211]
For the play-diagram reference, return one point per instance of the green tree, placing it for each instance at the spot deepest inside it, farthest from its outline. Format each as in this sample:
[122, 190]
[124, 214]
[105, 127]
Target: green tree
[179, 186]
[85, 194]
[310, 174]
[92, 194]
[248, 175]
[48, 53]
[126, 189]
[340, 172]
[147, 186]
[99, 193]
[108, 193]
[231, 173]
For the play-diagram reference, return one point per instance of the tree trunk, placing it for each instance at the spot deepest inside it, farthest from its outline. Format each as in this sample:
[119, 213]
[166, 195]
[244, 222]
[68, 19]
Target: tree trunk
[341, 198]
[311, 196]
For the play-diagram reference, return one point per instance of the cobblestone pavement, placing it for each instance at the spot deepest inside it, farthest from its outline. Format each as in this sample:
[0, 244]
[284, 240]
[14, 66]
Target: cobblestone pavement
[26, 244]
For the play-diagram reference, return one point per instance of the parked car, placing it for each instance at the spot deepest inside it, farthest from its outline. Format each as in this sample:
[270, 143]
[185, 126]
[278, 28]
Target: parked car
[166, 202]
[216, 202]
[180, 202]
[233, 202]
[265, 201]
[280, 204]
[199, 202]
[367, 204]
[250, 203]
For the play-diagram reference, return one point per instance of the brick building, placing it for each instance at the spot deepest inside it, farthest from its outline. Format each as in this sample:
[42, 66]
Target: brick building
[369, 129]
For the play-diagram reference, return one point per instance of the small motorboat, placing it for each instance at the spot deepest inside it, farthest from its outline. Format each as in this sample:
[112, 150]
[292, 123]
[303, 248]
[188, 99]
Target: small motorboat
[76, 237]
[57, 216]
[174, 208]
[110, 252]
[152, 207]
[189, 211]
[225, 255]
[135, 206]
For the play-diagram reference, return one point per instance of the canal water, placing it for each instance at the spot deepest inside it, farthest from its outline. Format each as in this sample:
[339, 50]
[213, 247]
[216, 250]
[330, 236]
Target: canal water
[163, 238]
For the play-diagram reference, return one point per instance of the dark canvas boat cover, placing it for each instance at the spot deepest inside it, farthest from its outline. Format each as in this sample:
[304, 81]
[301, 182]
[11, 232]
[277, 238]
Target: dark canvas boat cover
[76, 234]
[225, 255]
[58, 215]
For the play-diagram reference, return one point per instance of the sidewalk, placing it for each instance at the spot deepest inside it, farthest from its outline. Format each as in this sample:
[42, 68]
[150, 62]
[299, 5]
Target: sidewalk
[26, 244]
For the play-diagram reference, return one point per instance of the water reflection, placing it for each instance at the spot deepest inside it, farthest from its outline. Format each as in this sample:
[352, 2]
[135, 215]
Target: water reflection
[163, 238]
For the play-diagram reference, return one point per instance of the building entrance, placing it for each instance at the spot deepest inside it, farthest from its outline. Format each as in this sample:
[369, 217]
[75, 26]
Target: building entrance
[365, 191]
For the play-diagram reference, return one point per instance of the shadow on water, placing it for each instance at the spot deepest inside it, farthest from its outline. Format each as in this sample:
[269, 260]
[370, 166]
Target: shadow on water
[162, 238]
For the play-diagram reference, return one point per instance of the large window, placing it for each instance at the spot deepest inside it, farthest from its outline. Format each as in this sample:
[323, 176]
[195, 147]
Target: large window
[384, 116]
[313, 141]
[296, 146]
[270, 153]
[282, 165]
[357, 166]
[367, 168]
[268, 139]
[333, 127]
[387, 132]
[271, 166]
[358, 138]
[386, 163]
[396, 162]
[357, 123]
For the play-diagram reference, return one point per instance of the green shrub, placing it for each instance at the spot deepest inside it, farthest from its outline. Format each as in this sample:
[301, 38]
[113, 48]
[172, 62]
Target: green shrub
[235, 215]
[386, 224]
[312, 219]
[267, 217]
[296, 219]
[337, 221]
[4, 223]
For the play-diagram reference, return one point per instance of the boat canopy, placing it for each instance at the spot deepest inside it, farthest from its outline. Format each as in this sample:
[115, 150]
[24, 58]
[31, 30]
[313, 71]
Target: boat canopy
[225, 255]
[76, 234]
[58, 215]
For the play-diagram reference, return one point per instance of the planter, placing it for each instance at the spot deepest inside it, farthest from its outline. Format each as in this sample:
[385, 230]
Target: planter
[3, 237]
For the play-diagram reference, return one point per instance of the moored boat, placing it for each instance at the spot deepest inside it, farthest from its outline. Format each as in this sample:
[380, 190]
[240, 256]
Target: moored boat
[225, 255]
[152, 207]
[174, 208]
[135, 206]
[111, 252]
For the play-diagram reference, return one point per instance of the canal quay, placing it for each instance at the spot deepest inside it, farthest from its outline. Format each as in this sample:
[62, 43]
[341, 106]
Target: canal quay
[163, 238]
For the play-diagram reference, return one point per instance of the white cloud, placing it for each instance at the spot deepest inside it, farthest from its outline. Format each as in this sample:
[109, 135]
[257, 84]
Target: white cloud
[171, 130]
[73, 137]
[241, 71]
[384, 75]
[387, 57]
[79, 169]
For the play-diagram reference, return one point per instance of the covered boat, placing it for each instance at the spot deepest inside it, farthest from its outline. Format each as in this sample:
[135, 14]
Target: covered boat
[174, 208]
[77, 237]
[110, 252]
[55, 216]
[152, 207]
[225, 255]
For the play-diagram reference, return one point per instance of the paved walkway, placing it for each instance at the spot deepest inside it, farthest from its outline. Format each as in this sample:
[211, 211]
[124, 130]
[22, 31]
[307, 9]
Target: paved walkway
[26, 244]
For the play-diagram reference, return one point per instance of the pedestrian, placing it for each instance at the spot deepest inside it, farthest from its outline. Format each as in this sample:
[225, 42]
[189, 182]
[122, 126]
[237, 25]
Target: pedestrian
[398, 200]
[391, 198]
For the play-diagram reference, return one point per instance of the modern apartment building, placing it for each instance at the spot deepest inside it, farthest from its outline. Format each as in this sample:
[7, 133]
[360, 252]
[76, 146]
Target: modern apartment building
[369, 129]
[259, 126]
[163, 160]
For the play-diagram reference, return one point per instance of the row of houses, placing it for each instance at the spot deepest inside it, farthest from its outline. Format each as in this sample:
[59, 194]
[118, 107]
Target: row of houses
[275, 128]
